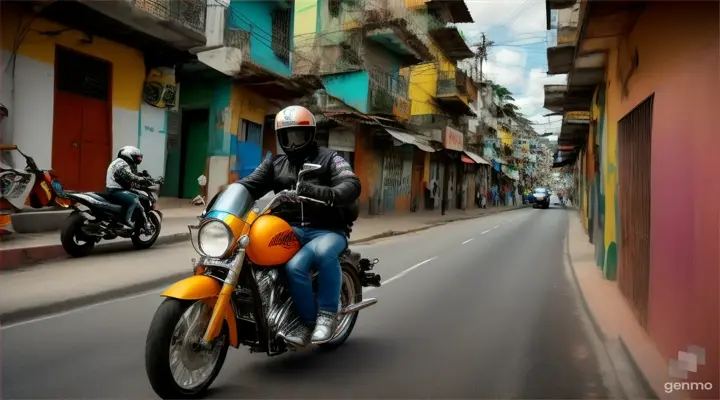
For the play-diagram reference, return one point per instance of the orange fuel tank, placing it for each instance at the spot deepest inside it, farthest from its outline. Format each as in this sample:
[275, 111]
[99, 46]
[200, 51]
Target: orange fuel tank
[272, 241]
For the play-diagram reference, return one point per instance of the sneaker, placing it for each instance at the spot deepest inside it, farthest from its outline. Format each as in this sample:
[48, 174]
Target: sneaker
[324, 327]
[298, 337]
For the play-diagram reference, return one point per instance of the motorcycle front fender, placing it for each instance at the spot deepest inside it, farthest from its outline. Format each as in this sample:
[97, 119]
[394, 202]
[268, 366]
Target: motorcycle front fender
[205, 289]
[158, 213]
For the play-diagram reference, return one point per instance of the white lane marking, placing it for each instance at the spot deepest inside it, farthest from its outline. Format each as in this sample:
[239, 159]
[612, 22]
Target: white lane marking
[468, 241]
[496, 226]
[484, 232]
[74, 310]
[155, 293]
[400, 275]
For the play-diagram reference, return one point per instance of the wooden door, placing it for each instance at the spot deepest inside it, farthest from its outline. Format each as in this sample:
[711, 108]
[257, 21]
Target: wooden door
[95, 144]
[67, 135]
[82, 120]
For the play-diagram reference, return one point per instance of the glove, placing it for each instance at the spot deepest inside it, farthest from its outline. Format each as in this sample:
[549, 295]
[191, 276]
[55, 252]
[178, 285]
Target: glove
[322, 193]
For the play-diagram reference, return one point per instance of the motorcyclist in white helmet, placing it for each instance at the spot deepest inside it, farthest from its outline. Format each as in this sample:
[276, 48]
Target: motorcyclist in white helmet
[121, 175]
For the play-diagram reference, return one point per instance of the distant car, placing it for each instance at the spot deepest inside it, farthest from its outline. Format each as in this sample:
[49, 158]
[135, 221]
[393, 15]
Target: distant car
[541, 198]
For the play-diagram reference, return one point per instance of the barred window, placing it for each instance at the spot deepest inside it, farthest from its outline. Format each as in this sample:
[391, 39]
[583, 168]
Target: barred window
[281, 34]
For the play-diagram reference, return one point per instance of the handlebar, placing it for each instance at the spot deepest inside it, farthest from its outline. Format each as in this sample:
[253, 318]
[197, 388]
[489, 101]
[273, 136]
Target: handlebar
[288, 195]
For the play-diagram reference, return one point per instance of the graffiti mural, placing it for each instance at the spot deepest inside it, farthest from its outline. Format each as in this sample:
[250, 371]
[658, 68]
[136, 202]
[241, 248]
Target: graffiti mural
[397, 177]
[433, 191]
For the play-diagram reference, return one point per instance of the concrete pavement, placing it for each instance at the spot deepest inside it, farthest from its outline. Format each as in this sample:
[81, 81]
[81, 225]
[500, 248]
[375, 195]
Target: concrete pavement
[22, 251]
[484, 308]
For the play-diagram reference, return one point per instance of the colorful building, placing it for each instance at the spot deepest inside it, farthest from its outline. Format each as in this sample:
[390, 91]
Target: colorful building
[645, 75]
[229, 97]
[78, 89]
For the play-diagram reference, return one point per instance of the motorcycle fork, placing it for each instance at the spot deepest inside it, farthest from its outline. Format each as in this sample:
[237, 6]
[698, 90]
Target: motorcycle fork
[223, 298]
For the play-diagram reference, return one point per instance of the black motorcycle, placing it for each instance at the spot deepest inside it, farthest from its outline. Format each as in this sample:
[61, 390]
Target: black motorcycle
[95, 218]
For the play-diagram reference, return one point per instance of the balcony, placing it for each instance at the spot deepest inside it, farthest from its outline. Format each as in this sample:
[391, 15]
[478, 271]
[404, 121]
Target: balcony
[452, 93]
[178, 22]
[568, 19]
[447, 38]
[383, 101]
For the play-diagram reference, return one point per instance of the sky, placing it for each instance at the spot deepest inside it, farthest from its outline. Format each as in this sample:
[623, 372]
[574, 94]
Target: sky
[518, 59]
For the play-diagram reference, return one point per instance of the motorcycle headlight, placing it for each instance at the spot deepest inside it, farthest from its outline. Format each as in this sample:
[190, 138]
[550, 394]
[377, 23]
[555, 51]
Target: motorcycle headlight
[214, 239]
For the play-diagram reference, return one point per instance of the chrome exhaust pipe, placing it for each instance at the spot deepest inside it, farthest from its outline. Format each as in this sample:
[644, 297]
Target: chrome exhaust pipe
[358, 306]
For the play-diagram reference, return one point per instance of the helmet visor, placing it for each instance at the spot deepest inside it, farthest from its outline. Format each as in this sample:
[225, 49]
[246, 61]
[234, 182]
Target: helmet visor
[294, 137]
[138, 159]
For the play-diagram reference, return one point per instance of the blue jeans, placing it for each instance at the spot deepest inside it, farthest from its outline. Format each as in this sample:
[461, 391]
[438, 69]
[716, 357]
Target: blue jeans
[320, 249]
[125, 199]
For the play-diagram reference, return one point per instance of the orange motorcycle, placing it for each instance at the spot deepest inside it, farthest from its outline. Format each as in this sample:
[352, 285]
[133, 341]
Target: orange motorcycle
[237, 295]
[31, 187]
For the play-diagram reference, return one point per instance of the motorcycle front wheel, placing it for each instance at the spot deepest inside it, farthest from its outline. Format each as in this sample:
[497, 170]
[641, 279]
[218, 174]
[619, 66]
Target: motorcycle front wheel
[142, 242]
[177, 365]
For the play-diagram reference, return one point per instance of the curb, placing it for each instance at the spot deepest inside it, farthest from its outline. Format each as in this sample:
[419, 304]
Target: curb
[627, 355]
[18, 258]
[25, 314]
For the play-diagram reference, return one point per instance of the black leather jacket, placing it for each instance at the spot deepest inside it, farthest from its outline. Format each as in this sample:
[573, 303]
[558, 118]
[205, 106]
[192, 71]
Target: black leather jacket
[279, 173]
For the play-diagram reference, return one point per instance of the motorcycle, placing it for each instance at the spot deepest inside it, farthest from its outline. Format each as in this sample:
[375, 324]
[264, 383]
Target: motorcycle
[95, 218]
[31, 187]
[237, 295]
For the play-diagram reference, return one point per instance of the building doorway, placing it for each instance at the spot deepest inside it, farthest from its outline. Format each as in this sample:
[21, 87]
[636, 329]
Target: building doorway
[82, 120]
[194, 139]
[634, 151]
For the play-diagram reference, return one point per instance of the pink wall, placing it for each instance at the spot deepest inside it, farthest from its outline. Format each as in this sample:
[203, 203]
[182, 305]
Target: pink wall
[678, 46]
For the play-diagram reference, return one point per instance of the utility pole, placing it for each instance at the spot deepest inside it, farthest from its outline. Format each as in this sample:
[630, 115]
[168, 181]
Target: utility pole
[482, 54]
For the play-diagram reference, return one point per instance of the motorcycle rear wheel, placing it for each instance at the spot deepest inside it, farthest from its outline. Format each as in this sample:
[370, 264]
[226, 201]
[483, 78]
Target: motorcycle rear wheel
[162, 345]
[71, 231]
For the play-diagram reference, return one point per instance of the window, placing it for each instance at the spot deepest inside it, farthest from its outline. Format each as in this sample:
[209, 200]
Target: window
[281, 34]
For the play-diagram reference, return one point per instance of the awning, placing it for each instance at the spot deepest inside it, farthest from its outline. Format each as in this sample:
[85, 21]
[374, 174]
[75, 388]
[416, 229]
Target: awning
[414, 140]
[475, 159]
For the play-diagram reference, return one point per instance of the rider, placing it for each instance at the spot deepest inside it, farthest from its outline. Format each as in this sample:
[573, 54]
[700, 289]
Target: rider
[327, 226]
[121, 175]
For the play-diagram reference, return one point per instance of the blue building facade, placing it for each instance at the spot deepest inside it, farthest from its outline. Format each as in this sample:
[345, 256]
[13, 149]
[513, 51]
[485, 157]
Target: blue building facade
[271, 26]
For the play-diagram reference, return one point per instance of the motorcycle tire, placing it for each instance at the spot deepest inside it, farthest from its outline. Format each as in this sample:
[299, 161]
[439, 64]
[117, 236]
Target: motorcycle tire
[339, 341]
[71, 228]
[157, 352]
[142, 245]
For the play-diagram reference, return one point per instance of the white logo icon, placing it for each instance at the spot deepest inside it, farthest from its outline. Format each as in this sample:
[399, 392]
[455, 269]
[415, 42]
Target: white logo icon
[687, 361]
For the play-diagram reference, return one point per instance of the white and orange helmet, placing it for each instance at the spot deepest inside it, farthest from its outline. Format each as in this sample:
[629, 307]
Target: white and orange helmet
[295, 129]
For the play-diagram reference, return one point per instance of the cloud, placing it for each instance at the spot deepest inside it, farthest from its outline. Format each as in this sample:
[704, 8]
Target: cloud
[520, 16]
[506, 67]
[517, 60]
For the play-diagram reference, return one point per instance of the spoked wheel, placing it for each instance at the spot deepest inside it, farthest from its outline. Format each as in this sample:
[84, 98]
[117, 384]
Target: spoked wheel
[350, 293]
[176, 362]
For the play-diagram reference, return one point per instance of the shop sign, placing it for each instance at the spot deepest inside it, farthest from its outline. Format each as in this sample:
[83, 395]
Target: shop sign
[577, 117]
[453, 139]
[342, 140]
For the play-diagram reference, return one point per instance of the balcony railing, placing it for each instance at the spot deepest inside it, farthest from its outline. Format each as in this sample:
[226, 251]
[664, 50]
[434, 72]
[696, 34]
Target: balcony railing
[189, 13]
[388, 102]
[451, 83]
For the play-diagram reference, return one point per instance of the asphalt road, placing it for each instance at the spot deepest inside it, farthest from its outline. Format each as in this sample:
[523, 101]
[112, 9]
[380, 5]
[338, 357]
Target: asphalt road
[482, 308]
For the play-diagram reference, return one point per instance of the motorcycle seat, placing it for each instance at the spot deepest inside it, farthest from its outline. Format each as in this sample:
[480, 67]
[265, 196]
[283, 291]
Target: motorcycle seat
[100, 199]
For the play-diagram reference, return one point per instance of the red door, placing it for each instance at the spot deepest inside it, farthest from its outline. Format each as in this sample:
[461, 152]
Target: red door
[96, 144]
[67, 134]
[82, 126]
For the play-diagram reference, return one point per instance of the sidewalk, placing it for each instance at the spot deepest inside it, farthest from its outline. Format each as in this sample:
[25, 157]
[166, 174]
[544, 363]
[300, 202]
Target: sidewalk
[614, 320]
[24, 250]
